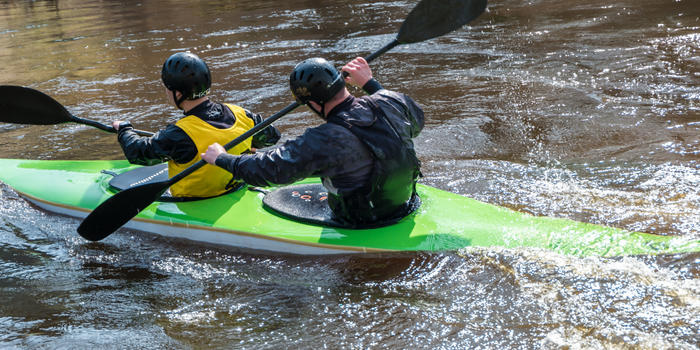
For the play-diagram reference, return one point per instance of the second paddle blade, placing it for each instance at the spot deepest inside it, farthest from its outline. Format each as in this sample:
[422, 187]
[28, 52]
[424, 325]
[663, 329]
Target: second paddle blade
[433, 18]
[22, 105]
[116, 211]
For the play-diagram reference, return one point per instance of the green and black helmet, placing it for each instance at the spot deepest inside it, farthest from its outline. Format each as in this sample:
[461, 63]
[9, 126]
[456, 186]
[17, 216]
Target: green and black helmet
[187, 74]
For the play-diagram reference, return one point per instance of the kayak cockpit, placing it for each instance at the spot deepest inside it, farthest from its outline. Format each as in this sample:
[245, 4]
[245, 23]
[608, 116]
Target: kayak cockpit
[306, 203]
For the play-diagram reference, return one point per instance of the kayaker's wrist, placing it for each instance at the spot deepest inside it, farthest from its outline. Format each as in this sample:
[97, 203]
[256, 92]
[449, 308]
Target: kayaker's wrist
[124, 126]
[225, 161]
[371, 86]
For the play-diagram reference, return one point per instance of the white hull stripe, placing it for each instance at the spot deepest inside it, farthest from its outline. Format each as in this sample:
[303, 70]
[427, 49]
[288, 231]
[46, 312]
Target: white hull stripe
[211, 234]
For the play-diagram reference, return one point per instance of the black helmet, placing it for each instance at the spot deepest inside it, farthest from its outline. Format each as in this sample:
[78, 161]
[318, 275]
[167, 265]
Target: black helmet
[315, 79]
[187, 74]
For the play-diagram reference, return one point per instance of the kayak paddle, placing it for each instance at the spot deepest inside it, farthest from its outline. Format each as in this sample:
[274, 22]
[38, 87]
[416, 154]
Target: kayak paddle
[23, 105]
[429, 19]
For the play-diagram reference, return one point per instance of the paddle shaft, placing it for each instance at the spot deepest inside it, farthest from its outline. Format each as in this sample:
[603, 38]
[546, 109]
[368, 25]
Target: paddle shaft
[244, 136]
[383, 50]
[107, 128]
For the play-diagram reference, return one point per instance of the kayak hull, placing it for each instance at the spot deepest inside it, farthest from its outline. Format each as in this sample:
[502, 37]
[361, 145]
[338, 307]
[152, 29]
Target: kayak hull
[444, 222]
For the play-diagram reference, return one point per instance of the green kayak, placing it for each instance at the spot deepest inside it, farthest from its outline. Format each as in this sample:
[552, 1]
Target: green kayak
[443, 222]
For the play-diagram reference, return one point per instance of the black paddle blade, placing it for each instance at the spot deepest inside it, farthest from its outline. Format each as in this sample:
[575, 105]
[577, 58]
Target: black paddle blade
[22, 105]
[433, 18]
[119, 209]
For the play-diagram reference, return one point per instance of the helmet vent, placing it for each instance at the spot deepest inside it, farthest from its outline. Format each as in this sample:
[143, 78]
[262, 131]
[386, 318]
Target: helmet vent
[187, 74]
[315, 80]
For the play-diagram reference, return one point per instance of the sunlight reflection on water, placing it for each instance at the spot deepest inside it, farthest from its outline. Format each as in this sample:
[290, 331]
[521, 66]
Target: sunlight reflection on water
[589, 112]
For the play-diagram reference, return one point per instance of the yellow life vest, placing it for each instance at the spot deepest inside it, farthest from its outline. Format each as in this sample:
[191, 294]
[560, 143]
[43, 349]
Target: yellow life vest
[209, 180]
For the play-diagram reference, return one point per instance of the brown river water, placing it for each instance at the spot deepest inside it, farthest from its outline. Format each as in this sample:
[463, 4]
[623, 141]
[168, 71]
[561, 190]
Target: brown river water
[588, 110]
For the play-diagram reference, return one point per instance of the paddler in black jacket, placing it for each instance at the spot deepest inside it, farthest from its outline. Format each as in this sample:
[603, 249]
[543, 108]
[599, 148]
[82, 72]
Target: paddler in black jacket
[187, 81]
[364, 153]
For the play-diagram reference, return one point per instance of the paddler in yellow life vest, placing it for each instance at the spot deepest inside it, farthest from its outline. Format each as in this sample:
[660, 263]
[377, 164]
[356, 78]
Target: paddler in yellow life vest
[187, 81]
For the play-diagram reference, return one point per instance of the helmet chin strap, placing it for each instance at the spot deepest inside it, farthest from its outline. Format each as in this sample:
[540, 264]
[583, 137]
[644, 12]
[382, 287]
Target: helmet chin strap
[319, 113]
[178, 101]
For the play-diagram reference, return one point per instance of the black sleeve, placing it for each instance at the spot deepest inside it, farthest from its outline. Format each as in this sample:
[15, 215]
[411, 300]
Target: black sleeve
[372, 86]
[305, 156]
[169, 143]
[266, 137]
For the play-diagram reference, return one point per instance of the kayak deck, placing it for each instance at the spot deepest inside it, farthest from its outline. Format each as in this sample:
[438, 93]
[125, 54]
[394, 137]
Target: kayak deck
[445, 221]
